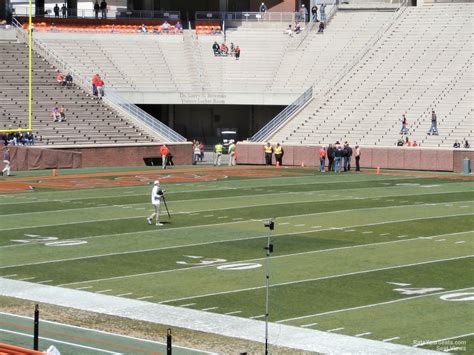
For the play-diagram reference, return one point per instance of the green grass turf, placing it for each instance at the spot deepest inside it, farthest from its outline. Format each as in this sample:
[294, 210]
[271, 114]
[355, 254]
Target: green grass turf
[338, 241]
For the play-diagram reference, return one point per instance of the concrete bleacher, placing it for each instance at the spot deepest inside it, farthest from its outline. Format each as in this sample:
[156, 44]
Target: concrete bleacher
[88, 120]
[412, 69]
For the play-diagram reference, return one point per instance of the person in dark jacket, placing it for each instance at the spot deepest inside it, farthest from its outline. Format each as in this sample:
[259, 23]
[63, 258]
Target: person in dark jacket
[347, 157]
[330, 155]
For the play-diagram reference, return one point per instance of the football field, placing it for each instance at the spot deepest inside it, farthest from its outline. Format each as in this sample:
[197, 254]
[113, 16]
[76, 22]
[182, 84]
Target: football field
[387, 257]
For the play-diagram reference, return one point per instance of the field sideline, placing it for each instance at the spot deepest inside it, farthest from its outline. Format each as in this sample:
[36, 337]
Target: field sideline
[382, 257]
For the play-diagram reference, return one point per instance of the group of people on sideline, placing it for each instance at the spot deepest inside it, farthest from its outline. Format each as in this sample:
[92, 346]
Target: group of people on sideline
[222, 50]
[337, 155]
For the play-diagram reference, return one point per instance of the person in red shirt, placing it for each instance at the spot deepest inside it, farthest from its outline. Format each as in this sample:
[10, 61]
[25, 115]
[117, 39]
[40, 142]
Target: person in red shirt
[322, 159]
[95, 79]
[164, 151]
[60, 78]
[100, 87]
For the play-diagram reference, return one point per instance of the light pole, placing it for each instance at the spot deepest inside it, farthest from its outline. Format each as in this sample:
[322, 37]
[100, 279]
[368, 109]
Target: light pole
[269, 250]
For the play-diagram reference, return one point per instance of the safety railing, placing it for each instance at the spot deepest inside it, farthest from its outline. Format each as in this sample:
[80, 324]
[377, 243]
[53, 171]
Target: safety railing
[283, 116]
[268, 16]
[111, 97]
[111, 13]
[368, 46]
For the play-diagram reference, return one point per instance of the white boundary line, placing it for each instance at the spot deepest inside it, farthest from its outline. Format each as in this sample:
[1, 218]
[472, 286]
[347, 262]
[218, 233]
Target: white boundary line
[258, 259]
[102, 332]
[61, 342]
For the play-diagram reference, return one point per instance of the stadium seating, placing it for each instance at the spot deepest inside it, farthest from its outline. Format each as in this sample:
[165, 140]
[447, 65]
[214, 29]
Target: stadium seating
[88, 121]
[412, 69]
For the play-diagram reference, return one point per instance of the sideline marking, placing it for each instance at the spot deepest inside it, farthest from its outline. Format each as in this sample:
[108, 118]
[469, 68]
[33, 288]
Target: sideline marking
[391, 339]
[209, 309]
[374, 305]
[124, 294]
[256, 317]
[334, 330]
[363, 334]
[100, 331]
[144, 298]
[234, 312]
[309, 325]
[60, 341]
[103, 291]
[44, 282]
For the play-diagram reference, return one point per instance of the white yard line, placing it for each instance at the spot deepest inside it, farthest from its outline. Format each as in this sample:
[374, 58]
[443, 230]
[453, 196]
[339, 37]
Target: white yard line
[321, 278]
[258, 259]
[60, 342]
[209, 210]
[374, 304]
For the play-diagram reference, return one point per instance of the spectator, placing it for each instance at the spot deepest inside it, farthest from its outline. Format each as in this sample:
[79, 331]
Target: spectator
[407, 142]
[103, 9]
[456, 144]
[224, 49]
[56, 10]
[165, 27]
[268, 153]
[466, 144]
[60, 78]
[143, 28]
[263, 7]
[322, 12]
[314, 13]
[6, 161]
[400, 143]
[232, 49]
[278, 151]
[64, 11]
[289, 31]
[237, 53]
[321, 27]
[215, 48]
[68, 80]
[179, 27]
[96, 9]
[95, 79]
[434, 124]
[100, 87]
[322, 159]
[55, 114]
[297, 28]
[414, 144]
[404, 129]
[303, 13]
[165, 152]
[357, 157]
[62, 114]
[29, 138]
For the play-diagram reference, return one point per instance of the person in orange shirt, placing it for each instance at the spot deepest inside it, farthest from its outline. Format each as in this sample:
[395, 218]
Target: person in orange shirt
[95, 79]
[322, 159]
[60, 79]
[164, 151]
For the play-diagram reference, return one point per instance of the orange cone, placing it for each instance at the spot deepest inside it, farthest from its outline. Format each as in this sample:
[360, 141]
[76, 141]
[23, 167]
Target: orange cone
[378, 170]
[54, 172]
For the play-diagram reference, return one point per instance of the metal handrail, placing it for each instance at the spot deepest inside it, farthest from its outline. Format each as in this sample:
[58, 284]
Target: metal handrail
[368, 46]
[112, 98]
[283, 116]
[269, 16]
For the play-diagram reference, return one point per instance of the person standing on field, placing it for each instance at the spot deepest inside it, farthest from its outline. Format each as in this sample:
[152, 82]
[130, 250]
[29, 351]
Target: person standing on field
[357, 157]
[218, 153]
[278, 151]
[165, 152]
[6, 162]
[268, 149]
[156, 194]
[231, 153]
[322, 159]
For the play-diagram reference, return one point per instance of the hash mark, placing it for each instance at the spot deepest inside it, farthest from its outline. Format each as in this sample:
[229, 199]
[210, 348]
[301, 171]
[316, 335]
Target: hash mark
[44, 282]
[187, 305]
[299, 225]
[125, 294]
[144, 298]
[402, 236]
[103, 291]
[209, 215]
[460, 242]
[234, 312]
[391, 339]
[308, 325]
[208, 309]
[83, 288]
[11, 275]
[440, 240]
[363, 334]
[26, 278]
[334, 330]
[283, 223]
[260, 316]
[367, 232]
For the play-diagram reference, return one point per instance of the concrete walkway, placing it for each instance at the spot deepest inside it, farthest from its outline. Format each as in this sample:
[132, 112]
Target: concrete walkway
[241, 328]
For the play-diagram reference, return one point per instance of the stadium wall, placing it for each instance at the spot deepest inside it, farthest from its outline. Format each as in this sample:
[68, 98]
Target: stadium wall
[412, 158]
[33, 158]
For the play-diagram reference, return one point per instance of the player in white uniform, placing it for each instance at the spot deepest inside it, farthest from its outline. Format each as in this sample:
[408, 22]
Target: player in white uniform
[156, 194]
